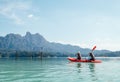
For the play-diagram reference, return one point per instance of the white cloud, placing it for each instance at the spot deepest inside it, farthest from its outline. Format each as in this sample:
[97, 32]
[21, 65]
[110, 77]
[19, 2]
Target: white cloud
[30, 15]
[17, 19]
[7, 13]
[15, 11]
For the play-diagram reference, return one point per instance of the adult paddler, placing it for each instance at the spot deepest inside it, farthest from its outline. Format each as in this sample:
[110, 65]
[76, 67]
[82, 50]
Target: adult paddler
[91, 55]
[78, 55]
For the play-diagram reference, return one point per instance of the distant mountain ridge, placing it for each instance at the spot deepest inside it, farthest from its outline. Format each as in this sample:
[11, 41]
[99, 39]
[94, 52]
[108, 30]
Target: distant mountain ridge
[36, 42]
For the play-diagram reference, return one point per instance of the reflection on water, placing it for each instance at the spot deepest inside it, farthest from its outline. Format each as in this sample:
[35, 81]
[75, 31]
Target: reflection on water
[79, 66]
[92, 71]
[90, 67]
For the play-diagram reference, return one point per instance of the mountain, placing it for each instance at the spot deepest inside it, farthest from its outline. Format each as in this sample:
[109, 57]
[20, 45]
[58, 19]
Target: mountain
[36, 43]
[28, 42]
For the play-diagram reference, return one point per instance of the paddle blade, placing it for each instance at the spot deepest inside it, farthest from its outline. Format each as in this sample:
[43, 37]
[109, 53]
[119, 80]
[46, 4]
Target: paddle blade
[94, 48]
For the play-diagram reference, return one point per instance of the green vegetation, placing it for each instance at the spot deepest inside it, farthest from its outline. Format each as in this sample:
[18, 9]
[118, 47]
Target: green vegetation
[40, 54]
[16, 54]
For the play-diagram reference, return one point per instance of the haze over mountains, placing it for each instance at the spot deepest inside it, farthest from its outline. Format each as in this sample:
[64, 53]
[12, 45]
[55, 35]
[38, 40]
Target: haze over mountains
[36, 42]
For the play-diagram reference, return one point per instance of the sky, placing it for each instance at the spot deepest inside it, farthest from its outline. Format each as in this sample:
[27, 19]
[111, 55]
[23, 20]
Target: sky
[84, 23]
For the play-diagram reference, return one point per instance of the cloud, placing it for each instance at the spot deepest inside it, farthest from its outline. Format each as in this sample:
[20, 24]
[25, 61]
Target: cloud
[11, 15]
[15, 11]
[30, 15]
[17, 19]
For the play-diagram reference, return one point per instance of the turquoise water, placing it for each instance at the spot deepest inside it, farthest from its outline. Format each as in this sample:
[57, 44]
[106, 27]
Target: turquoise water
[59, 70]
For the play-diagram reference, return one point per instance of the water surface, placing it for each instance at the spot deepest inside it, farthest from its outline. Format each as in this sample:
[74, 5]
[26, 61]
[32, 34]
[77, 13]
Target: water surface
[59, 70]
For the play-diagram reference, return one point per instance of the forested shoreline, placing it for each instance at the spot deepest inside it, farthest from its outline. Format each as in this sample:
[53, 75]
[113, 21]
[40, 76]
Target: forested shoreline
[15, 53]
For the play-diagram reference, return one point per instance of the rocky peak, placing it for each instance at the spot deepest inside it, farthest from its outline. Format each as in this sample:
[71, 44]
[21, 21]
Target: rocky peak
[36, 36]
[11, 35]
[28, 34]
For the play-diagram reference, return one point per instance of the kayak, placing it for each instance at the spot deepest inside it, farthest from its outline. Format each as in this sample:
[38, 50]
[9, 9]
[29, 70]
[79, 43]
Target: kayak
[83, 60]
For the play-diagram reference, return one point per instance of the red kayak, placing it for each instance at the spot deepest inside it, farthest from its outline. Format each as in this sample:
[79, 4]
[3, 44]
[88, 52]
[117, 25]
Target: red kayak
[83, 60]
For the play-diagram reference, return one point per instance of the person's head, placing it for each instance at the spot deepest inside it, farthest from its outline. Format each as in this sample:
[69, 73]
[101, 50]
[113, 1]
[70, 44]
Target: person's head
[78, 51]
[90, 53]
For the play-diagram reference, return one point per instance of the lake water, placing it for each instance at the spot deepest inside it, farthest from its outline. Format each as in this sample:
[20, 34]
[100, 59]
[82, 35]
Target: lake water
[59, 70]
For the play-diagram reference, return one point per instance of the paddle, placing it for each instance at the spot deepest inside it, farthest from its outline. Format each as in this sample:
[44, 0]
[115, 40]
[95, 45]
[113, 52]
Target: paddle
[93, 48]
